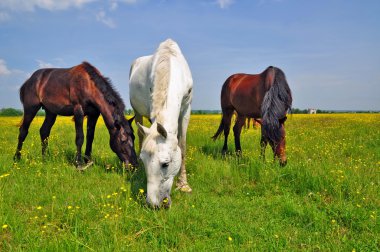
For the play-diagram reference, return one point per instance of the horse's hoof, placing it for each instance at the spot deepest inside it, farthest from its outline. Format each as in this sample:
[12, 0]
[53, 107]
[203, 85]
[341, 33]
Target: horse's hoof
[184, 188]
[84, 167]
[17, 157]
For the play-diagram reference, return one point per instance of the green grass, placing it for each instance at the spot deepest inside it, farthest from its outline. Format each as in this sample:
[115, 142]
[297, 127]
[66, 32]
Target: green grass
[326, 199]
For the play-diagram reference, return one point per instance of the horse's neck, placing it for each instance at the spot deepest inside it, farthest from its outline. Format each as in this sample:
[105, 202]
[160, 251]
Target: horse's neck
[107, 111]
[169, 114]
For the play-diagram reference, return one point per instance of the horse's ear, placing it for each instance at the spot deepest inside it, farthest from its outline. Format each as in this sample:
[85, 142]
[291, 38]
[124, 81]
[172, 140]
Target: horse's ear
[142, 129]
[162, 130]
[131, 120]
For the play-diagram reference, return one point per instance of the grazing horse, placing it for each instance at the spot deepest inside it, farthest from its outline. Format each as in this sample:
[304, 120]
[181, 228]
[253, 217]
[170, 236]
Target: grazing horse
[80, 91]
[267, 96]
[160, 89]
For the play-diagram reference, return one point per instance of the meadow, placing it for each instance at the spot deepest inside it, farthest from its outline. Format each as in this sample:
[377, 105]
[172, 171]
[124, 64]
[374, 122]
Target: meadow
[326, 199]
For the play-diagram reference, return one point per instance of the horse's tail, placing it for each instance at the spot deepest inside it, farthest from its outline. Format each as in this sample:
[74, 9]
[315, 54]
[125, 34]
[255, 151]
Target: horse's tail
[22, 93]
[28, 85]
[277, 102]
[225, 105]
[220, 130]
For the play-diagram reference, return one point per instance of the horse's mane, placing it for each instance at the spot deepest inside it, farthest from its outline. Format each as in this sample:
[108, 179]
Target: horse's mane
[106, 88]
[161, 74]
[277, 102]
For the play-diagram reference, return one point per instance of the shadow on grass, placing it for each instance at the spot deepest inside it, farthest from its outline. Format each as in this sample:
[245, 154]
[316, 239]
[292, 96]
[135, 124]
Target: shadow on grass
[216, 153]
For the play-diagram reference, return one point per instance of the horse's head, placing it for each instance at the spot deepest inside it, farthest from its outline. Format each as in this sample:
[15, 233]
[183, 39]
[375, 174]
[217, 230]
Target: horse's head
[162, 160]
[122, 142]
[277, 141]
[279, 147]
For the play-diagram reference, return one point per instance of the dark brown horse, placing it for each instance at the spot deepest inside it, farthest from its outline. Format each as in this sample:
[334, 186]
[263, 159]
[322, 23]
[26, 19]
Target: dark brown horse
[266, 97]
[78, 91]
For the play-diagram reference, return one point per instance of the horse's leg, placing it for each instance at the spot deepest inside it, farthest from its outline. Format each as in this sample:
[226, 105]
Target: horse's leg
[45, 130]
[227, 115]
[91, 123]
[182, 183]
[78, 118]
[29, 113]
[237, 131]
[139, 119]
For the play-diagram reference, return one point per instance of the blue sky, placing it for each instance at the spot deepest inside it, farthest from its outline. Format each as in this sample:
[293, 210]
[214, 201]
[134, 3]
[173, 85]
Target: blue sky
[329, 50]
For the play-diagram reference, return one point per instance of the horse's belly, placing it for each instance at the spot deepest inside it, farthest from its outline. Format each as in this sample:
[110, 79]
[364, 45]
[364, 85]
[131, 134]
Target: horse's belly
[246, 107]
[64, 110]
[140, 102]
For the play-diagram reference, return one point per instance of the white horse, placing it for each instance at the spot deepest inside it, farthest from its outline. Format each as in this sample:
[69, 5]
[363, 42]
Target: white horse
[160, 89]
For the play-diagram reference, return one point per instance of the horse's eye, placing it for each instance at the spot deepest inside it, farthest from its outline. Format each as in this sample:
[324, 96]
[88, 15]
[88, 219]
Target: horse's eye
[165, 165]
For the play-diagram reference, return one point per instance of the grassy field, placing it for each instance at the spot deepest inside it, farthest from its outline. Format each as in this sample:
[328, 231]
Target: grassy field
[326, 199]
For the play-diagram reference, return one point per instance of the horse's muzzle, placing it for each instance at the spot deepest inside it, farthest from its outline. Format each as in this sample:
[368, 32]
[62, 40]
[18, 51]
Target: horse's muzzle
[165, 203]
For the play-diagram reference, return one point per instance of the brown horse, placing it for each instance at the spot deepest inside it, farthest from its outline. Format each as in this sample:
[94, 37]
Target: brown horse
[78, 91]
[266, 96]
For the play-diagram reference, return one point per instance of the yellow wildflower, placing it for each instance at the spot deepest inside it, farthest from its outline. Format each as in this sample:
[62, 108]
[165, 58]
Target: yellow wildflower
[4, 175]
[229, 238]
[141, 190]
[4, 226]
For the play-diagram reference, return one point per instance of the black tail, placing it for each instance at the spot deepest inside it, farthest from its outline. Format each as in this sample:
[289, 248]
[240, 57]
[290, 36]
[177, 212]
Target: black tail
[277, 102]
[22, 93]
[220, 130]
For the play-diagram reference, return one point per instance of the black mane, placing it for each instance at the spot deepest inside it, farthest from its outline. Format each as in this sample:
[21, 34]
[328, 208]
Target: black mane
[277, 102]
[105, 86]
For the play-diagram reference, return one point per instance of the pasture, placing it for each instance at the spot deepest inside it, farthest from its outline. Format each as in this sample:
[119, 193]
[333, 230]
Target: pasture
[326, 198]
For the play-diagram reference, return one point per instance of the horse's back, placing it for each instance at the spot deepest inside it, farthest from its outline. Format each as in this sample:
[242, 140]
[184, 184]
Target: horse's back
[54, 88]
[244, 93]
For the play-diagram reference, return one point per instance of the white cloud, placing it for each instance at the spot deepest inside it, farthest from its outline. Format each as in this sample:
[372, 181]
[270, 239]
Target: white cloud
[101, 16]
[30, 5]
[43, 64]
[224, 3]
[129, 1]
[3, 68]
[4, 16]
[114, 4]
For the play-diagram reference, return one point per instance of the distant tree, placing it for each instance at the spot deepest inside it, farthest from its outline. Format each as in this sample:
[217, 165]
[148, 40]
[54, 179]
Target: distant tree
[128, 111]
[299, 111]
[10, 112]
[41, 112]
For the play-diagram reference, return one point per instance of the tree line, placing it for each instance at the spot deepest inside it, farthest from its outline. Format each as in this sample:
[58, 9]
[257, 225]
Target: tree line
[19, 112]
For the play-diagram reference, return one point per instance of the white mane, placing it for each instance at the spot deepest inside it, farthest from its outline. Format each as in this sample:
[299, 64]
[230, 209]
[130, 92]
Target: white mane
[161, 74]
